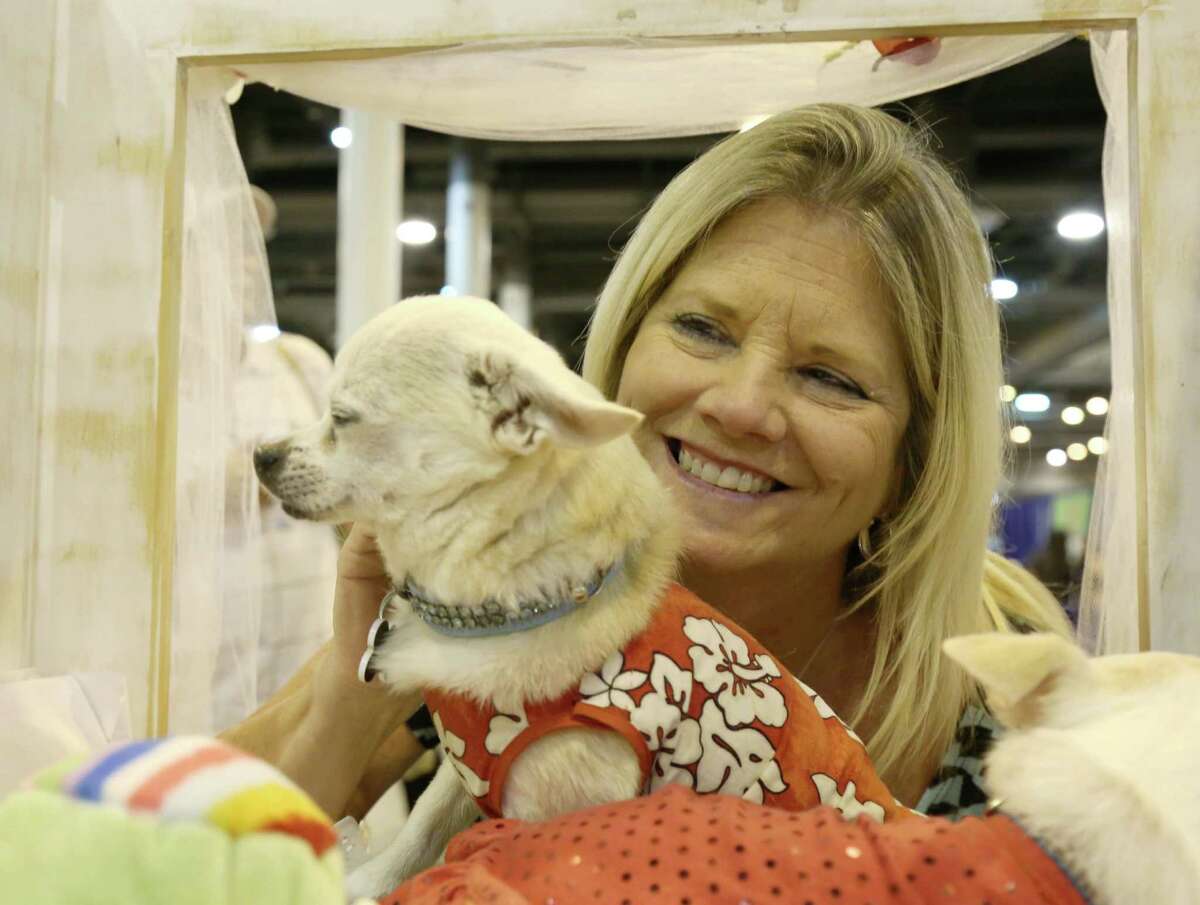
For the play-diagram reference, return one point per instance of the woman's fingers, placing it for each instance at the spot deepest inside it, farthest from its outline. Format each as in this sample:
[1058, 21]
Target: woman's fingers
[359, 558]
[362, 584]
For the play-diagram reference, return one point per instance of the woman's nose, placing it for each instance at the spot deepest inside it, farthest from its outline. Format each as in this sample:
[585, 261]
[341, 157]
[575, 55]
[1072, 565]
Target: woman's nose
[744, 401]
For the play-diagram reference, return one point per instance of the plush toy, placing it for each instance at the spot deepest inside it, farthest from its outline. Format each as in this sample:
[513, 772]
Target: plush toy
[178, 821]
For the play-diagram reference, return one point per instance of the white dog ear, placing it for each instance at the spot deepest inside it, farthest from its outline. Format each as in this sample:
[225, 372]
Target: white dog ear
[1016, 671]
[534, 403]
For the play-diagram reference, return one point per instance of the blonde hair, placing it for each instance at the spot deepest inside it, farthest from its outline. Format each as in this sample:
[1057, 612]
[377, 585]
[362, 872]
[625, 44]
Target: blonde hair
[931, 577]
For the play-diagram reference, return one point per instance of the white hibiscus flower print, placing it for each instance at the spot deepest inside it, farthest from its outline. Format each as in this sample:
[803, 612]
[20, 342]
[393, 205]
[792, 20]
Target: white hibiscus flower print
[743, 688]
[824, 711]
[736, 761]
[661, 718]
[454, 748]
[610, 686]
[503, 728]
[845, 802]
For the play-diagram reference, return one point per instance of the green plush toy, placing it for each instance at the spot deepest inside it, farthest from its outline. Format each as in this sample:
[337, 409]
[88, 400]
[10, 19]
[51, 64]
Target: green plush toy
[179, 821]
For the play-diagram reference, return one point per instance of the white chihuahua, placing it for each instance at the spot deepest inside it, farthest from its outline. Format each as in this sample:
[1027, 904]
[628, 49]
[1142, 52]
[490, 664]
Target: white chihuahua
[1100, 761]
[533, 552]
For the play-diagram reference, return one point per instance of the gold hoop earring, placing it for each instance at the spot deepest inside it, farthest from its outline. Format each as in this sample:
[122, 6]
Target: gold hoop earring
[865, 547]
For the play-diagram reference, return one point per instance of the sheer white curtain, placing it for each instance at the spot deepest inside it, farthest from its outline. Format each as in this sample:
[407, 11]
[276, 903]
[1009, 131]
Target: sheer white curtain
[643, 88]
[1108, 615]
[253, 587]
[218, 561]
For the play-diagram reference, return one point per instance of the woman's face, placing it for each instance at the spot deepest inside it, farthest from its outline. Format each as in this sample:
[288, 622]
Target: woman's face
[771, 366]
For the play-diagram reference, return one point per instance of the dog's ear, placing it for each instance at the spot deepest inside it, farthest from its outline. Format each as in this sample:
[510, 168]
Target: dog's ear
[530, 404]
[1016, 671]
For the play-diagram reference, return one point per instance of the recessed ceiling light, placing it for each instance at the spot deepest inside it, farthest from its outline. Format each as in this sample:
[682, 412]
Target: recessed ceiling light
[1032, 402]
[1097, 405]
[1079, 226]
[1004, 289]
[1020, 434]
[1008, 393]
[1072, 414]
[341, 137]
[1057, 458]
[1097, 446]
[416, 232]
[1077, 452]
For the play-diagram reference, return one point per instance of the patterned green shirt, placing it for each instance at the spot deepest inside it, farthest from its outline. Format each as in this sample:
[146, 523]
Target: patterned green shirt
[957, 787]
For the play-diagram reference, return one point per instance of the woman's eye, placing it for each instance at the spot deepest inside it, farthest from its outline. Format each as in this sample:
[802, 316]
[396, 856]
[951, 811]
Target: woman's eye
[835, 381]
[341, 420]
[699, 327]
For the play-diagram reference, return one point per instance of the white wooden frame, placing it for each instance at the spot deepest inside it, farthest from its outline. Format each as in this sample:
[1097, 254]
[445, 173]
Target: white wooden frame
[133, 458]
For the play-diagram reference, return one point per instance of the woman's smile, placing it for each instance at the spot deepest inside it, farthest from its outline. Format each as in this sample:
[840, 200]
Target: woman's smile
[712, 473]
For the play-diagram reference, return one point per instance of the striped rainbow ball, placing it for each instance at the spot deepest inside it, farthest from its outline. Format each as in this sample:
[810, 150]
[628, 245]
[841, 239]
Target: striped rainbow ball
[193, 778]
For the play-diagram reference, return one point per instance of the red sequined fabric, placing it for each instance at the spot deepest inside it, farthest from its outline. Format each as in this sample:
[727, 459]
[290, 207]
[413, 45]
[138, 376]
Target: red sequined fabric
[678, 848]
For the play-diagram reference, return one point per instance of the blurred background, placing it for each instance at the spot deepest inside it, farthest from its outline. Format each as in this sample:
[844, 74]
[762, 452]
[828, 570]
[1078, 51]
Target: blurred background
[1027, 141]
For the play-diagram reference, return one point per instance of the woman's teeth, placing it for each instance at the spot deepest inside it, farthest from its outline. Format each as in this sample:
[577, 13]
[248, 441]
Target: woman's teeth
[729, 478]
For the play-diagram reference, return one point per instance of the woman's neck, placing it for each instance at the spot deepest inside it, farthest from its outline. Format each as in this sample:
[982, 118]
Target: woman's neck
[802, 620]
[790, 614]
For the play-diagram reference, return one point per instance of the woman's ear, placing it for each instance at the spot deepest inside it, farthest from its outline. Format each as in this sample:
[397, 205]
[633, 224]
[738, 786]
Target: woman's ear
[532, 403]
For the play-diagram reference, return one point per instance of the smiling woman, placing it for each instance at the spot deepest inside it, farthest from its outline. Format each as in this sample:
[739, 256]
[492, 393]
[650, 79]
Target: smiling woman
[803, 316]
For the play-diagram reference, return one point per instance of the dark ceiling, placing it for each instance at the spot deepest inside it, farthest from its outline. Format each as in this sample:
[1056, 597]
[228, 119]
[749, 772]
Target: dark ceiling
[1027, 140]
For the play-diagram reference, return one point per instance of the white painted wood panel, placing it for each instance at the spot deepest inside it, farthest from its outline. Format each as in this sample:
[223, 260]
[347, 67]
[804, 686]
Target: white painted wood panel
[87, 211]
[205, 27]
[1167, 271]
[26, 92]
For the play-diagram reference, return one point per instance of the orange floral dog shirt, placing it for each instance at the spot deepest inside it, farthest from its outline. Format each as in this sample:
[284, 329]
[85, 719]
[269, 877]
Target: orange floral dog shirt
[702, 704]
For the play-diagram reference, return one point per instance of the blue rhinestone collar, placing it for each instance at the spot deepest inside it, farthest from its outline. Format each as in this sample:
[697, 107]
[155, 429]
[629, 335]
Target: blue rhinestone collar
[490, 619]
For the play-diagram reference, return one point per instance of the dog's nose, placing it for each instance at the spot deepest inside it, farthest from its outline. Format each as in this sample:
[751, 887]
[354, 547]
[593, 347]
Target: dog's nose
[269, 456]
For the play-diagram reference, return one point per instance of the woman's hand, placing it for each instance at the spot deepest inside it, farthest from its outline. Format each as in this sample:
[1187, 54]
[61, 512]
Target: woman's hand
[342, 741]
[360, 725]
[362, 583]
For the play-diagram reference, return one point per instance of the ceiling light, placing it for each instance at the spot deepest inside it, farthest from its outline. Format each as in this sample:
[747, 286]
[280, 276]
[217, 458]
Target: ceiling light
[754, 121]
[1032, 402]
[341, 137]
[1097, 405]
[1008, 393]
[1057, 458]
[1072, 414]
[1003, 289]
[447, 290]
[416, 232]
[1081, 225]
[1097, 446]
[1077, 452]
[1020, 434]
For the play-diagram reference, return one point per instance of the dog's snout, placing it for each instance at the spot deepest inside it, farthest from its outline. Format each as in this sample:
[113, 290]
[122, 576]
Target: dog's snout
[269, 456]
